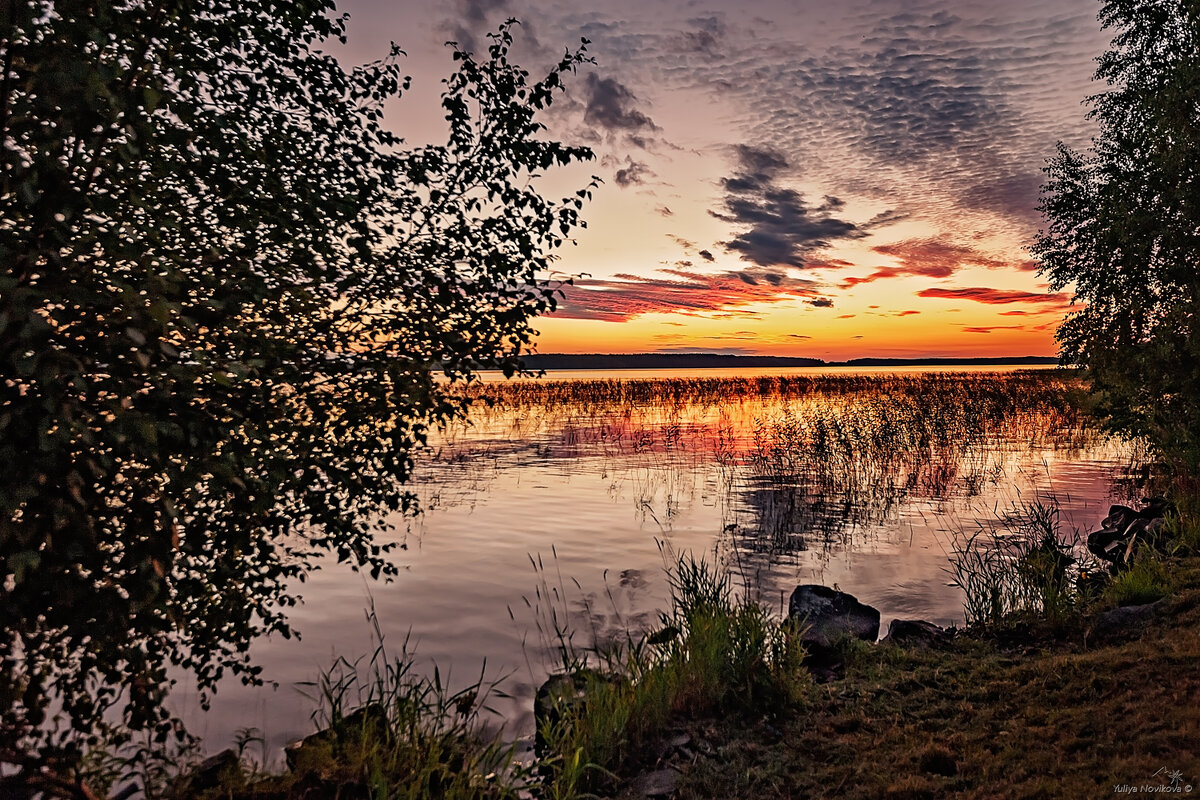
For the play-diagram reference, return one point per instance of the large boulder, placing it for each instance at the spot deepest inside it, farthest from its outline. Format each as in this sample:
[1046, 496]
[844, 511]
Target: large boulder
[827, 616]
[210, 772]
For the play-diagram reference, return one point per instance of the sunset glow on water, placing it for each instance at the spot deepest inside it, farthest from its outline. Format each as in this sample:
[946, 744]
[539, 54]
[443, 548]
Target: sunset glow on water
[857, 478]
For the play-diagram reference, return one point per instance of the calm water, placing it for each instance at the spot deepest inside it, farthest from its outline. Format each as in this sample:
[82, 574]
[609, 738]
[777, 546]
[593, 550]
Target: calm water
[846, 477]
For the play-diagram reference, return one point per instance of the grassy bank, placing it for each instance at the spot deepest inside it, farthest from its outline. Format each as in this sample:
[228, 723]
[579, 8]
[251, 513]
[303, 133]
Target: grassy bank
[986, 718]
[1048, 699]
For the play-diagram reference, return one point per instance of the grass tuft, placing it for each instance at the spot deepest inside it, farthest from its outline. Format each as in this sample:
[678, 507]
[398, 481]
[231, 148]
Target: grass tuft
[1024, 569]
[715, 652]
[1144, 581]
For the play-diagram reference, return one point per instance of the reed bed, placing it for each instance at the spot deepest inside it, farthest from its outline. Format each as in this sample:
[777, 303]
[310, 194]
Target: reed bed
[791, 459]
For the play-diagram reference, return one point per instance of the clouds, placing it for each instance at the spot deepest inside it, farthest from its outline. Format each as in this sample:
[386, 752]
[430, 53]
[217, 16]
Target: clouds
[939, 110]
[473, 19]
[821, 147]
[681, 291]
[990, 328]
[611, 106]
[995, 296]
[634, 173]
[929, 257]
[778, 226]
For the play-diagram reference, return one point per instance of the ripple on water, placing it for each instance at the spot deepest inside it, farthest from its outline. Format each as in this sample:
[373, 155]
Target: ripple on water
[597, 507]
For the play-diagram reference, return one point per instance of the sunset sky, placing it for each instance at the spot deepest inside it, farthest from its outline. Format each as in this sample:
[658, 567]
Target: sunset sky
[801, 178]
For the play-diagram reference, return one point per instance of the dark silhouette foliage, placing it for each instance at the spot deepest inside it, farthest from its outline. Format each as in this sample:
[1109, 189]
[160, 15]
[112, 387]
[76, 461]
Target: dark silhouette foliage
[1124, 229]
[226, 292]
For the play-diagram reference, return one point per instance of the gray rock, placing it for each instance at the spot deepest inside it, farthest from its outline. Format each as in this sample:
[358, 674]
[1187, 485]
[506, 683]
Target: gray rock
[827, 615]
[562, 694]
[1123, 620]
[209, 772]
[369, 721]
[916, 633]
[660, 783]
[1118, 519]
[677, 744]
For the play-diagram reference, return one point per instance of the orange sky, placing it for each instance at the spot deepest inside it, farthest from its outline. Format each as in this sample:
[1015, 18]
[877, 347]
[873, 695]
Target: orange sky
[790, 177]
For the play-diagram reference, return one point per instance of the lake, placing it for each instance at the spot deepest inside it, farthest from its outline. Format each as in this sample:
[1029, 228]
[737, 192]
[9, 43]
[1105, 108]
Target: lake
[570, 496]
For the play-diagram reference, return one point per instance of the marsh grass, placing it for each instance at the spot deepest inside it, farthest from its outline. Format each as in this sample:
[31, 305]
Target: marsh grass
[1023, 567]
[716, 650]
[384, 732]
[1183, 529]
[793, 462]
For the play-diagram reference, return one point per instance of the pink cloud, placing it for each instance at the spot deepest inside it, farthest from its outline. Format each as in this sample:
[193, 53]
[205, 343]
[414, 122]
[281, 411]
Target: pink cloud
[995, 296]
[929, 258]
[990, 328]
[680, 291]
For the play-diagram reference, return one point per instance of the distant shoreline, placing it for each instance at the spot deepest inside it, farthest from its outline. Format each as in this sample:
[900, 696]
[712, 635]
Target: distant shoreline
[618, 361]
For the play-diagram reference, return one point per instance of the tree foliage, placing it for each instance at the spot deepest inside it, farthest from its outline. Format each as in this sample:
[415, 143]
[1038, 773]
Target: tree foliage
[1124, 228]
[227, 290]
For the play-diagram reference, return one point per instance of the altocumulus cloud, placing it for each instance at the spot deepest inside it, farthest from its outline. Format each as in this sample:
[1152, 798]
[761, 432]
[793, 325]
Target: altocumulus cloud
[610, 105]
[935, 111]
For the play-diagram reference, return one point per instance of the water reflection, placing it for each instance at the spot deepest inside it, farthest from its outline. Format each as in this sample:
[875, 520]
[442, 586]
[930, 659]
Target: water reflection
[789, 462]
[859, 480]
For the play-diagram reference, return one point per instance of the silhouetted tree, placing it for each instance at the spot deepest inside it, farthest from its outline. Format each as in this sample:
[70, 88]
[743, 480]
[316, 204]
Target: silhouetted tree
[1124, 228]
[227, 289]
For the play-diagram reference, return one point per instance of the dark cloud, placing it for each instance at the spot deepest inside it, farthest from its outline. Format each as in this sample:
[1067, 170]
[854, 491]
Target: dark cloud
[821, 302]
[780, 227]
[995, 296]
[473, 19]
[611, 106]
[705, 349]
[707, 255]
[634, 173]
[679, 291]
[936, 113]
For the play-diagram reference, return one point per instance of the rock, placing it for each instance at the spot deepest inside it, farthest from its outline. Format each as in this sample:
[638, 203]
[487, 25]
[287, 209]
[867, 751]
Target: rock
[1135, 535]
[916, 633]
[370, 720]
[1105, 544]
[676, 745]
[209, 772]
[828, 615]
[660, 783]
[1156, 507]
[1118, 519]
[1124, 530]
[561, 693]
[1125, 619]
